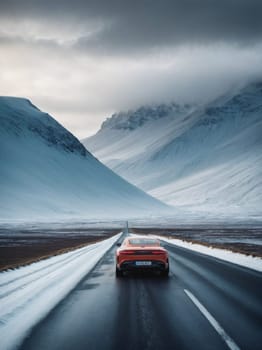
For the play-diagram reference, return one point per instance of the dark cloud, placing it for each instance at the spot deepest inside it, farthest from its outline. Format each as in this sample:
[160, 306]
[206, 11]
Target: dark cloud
[147, 24]
[83, 60]
[172, 23]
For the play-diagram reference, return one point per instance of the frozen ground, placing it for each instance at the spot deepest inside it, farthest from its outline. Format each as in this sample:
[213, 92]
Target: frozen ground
[251, 262]
[21, 245]
[240, 239]
[24, 242]
[27, 294]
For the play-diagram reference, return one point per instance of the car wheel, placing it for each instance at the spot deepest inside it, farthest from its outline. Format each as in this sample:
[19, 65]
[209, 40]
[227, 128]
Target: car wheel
[119, 273]
[165, 273]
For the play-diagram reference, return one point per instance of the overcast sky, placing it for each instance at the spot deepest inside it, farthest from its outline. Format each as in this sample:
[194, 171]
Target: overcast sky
[82, 60]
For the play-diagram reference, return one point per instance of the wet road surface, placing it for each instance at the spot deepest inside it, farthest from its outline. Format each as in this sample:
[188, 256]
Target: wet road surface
[204, 304]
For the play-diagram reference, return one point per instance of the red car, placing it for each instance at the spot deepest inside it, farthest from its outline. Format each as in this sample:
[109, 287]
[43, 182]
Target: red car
[141, 254]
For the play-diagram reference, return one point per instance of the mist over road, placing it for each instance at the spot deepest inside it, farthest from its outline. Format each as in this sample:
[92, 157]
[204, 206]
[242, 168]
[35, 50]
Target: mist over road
[205, 303]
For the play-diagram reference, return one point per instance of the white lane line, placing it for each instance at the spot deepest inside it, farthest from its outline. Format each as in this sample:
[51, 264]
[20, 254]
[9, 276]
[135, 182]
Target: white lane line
[229, 341]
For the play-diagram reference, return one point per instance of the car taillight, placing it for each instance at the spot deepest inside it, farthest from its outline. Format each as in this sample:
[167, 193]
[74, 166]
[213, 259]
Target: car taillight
[126, 252]
[157, 252]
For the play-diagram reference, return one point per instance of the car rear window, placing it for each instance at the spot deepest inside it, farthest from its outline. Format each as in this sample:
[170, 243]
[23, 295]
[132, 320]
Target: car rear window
[144, 241]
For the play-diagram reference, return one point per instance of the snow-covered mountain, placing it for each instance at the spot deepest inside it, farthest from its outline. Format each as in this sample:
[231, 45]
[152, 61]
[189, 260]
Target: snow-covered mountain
[46, 172]
[206, 158]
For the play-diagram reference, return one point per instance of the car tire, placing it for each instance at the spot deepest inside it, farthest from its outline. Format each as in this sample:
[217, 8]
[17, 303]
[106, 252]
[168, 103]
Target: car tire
[165, 273]
[119, 273]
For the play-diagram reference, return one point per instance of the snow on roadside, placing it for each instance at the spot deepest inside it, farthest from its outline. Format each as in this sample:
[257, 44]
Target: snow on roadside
[29, 293]
[251, 262]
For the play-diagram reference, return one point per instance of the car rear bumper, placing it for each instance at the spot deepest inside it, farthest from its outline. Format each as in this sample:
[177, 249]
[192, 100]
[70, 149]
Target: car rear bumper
[132, 266]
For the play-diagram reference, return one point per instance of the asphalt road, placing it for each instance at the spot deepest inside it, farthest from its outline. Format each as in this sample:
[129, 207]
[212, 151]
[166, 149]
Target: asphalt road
[204, 304]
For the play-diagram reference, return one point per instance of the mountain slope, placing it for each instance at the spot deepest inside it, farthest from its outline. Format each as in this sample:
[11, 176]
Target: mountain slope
[46, 172]
[207, 157]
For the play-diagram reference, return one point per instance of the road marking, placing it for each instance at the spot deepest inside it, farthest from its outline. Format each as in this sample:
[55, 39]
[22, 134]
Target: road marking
[229, 341]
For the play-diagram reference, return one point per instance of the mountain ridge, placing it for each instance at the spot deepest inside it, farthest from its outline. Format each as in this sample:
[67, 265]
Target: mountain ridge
[46, 172]
[133, 119]
[176, 160]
